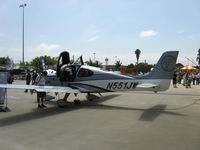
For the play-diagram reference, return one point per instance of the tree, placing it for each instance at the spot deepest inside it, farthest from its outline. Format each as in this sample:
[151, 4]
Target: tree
[131, 66]
[4, 61]
[137, 53]
[25, 64]
[118, 65]
[144, 67]
[89, 62]
[48, 60]
[95, 64]
[198, 57]
[35, 62]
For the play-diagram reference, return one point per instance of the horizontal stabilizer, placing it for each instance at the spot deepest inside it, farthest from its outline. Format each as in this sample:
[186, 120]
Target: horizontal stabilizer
[147, 85]
[41, 88]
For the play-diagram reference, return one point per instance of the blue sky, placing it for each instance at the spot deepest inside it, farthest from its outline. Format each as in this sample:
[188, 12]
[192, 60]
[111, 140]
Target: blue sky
[109, 28]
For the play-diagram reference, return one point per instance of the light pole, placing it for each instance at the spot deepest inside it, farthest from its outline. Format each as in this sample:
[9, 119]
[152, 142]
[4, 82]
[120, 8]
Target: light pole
[94, 56]
[23, 5]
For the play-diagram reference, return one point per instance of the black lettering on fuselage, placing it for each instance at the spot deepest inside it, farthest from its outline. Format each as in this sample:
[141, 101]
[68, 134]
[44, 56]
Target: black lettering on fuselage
[130, 85]
[134, 85]
[121, 85]
[109, 86]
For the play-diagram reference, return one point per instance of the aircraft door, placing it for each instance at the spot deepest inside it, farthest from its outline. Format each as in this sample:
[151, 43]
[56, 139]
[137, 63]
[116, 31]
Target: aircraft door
[63, 59]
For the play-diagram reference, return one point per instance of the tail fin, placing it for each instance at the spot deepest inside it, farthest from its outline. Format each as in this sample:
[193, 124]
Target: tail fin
[164, 69]
[42, 64]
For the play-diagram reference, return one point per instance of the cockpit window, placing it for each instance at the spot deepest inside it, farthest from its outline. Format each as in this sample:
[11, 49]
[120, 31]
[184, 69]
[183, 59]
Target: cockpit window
[85, 73]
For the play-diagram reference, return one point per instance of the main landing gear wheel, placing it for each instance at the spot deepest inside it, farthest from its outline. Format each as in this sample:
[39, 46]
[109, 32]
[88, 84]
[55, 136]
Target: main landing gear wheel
[62, 103]
[76, 101]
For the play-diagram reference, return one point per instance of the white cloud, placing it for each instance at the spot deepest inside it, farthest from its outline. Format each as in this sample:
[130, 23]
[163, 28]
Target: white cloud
[94, 38]
[148, 33]
[48, 47]
[44, 49]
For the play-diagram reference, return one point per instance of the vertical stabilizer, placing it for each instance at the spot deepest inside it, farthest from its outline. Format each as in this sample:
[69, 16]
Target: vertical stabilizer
[164, 69]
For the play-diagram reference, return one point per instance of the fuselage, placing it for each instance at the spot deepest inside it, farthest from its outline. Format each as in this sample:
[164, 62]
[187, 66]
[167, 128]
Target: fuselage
[94, 80]
[104, 81]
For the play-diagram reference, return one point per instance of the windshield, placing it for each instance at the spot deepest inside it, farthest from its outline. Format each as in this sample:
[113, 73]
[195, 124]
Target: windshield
[79, 61]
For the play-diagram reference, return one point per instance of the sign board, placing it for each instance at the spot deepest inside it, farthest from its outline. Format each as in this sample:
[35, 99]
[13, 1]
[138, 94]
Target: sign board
[3, 80]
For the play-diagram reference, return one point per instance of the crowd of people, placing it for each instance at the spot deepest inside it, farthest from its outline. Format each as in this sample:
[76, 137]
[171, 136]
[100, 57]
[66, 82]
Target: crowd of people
[186, 78]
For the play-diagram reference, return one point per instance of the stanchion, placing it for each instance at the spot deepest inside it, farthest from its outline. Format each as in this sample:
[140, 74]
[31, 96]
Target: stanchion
[5, 108]
[3, 92]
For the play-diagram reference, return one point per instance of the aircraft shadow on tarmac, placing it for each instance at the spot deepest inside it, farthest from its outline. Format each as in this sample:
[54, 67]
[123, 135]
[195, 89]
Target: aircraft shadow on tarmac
[167, 93]
[153, 112]
[148, 114]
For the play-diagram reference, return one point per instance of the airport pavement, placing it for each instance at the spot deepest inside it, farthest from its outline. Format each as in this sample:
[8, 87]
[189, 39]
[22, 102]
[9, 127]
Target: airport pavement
[130, 121]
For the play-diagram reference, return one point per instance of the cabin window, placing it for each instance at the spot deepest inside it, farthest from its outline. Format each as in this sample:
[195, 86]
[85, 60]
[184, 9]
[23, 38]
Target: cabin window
[85, 73]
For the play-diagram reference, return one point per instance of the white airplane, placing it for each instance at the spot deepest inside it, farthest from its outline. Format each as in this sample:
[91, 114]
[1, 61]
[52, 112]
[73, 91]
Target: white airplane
[86, 79]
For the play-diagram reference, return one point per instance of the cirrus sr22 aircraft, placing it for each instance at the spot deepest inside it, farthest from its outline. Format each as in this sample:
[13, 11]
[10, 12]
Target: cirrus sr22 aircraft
[81, 78]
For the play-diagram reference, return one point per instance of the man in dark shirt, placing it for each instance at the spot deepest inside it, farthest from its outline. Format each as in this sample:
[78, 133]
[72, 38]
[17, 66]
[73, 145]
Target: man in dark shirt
[28, 80]
[34, 76]
[174, 80]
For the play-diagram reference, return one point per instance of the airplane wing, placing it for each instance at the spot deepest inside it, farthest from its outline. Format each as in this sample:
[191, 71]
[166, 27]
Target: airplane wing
[147, 85]
[41, 88]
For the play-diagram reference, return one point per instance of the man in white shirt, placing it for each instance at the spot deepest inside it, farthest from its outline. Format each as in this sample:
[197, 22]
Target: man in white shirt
[41, 81]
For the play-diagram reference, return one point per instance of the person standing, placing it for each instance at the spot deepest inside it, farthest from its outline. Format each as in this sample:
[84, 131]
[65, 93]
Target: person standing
[174, 80]
[41, 81]
[197, 78]
[28, 80]
[189, 80]
[193, 74]
[34, 76]
[65, 76]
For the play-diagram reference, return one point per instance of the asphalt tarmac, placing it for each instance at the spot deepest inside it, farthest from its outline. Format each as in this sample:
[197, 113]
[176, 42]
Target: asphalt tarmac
[116, 121]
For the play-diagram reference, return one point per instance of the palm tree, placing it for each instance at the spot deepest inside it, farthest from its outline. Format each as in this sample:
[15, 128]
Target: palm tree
[137, 53]
[118, 65]
[198, 57]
